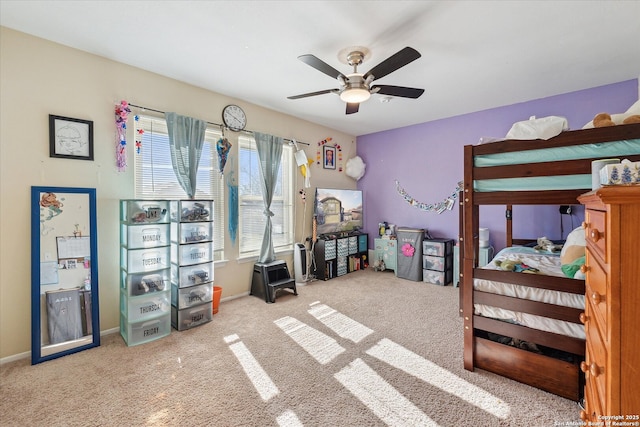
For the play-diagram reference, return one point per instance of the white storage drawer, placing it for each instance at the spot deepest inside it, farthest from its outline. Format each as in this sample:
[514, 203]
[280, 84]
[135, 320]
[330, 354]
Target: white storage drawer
[144, 331]
[145, 260]
[191, 296]
[192, 274]
[144, 211]
[192, 232]
[190, 254]
[145, 306]
[191, 317]
[144, 283]
[144, 236]
[191, 210]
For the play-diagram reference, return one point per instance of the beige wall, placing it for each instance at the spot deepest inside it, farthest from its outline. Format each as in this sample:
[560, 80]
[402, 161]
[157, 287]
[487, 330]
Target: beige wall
[38, 78]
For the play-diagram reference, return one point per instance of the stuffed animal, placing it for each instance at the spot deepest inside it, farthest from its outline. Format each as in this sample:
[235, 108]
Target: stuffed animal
[632, 115]
[378, 265]
[604, 119]
[516, 266]
[545, 244]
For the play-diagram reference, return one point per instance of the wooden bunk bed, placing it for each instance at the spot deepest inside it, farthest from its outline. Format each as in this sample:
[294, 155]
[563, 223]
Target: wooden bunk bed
[557, 369]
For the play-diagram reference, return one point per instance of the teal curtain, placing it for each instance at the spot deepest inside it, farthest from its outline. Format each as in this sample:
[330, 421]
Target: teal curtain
[269, 154]
[186, 136]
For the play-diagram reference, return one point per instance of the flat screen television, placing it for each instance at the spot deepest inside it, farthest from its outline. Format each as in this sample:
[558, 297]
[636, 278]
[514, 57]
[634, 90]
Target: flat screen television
[338, 211]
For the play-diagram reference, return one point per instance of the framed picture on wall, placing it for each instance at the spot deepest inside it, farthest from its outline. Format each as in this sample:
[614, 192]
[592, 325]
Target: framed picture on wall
[70, 138]
[329, 157]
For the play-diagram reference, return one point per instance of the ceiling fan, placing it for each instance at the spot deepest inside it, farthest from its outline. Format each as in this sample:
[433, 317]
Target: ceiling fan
[356, 87]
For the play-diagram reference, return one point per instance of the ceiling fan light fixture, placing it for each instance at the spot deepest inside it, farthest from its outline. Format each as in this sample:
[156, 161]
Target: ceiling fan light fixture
[355, 95]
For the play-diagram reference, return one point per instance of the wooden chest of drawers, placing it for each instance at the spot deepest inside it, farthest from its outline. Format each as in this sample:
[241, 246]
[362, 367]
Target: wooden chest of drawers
[612, 304]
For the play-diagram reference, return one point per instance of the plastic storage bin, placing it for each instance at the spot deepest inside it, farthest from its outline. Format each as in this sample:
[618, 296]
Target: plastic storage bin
[144, 236]
[145, 306]
[144, 211]
[192, 274]
[135, 333]
[191, 210]
[191, 317]
[144, 283]
[191, 296]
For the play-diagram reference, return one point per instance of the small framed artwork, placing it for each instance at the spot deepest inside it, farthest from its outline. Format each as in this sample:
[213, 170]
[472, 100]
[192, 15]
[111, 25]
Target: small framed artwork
[70, 138]
[329, 155]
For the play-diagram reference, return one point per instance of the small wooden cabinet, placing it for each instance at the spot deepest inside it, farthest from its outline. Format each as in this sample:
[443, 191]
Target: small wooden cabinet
[612, 361]
[387, 250]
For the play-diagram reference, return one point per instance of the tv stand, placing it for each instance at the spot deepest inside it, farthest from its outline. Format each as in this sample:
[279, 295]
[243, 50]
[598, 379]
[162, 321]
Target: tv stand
[337, 255]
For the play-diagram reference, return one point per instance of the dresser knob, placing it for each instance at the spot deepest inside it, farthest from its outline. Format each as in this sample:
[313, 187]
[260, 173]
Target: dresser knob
[596, 298]
[583, 415]
[595, 235]
[583, 366]
[584, 268]
[583, 318]
[585, 225]
[594, 370]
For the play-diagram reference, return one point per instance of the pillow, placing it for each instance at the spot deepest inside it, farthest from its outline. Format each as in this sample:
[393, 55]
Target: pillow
[574, 247]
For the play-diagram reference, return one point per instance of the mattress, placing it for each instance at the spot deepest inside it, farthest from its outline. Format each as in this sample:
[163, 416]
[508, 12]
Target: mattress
[547, 264]
[618, 149]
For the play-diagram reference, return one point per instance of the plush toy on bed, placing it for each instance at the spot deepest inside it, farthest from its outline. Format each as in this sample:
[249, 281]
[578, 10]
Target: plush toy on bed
[572, 255]
[632, 115]
[516, 266]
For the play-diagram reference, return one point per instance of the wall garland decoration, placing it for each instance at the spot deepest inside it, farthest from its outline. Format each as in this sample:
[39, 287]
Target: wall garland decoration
[122, 112]
[336, 146]
[139, 133]
[446, 204]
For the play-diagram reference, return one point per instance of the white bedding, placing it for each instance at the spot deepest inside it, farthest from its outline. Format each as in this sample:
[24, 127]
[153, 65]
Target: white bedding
[548, 264]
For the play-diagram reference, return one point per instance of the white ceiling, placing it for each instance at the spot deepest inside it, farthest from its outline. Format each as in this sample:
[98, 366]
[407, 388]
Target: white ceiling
[475, 54]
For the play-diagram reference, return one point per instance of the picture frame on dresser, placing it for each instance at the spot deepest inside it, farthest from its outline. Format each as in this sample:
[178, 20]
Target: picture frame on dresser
[70, 138]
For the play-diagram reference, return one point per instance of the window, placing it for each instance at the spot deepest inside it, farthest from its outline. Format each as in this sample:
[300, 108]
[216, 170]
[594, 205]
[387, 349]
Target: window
[251, 219]
[155, 178]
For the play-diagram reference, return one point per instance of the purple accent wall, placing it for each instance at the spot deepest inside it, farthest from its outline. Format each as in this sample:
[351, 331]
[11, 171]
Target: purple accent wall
[427, 161]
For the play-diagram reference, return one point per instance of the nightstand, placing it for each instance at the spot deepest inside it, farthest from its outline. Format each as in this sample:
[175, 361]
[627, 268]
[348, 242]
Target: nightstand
[387, 250]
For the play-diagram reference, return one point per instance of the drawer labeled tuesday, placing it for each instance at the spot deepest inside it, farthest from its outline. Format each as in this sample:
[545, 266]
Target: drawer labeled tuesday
[144, 260]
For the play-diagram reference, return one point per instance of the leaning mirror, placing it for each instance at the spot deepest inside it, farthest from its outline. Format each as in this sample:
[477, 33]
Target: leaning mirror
[64, 272]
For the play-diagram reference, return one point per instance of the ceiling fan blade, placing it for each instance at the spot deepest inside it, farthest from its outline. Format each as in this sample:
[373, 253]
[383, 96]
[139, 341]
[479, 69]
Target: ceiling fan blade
[320, 92]
[405, 92]
[394, 62]
[352, 107]
[320, 65]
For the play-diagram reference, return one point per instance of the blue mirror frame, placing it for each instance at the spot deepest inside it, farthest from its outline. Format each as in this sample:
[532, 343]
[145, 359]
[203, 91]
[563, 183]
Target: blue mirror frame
[64, 269]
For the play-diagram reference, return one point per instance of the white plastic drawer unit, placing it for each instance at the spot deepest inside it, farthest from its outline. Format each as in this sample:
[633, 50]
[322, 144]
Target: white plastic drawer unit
[144, 211]
[191, 317]
[192, 274]
[196, 253]
[192, 232]
[145, 283]
[144, 260]
[191, 210]
[144, 331]
[146, 306]
[191, 296]
[144, 236]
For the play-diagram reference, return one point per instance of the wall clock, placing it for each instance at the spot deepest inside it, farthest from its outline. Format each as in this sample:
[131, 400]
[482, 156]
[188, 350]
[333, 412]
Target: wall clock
[234, 118]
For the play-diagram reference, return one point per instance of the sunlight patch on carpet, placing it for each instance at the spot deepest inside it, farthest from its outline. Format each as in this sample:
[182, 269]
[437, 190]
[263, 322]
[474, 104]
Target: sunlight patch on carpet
[258, 377]
[289, 419]
[321, 347]
[421, 368]
[342, 325]
[380, 397]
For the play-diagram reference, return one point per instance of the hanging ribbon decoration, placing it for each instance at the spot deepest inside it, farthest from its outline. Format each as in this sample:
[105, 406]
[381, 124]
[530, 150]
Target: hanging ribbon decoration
[446, 204]
[336, 146]
[139, 133]
[122, 112]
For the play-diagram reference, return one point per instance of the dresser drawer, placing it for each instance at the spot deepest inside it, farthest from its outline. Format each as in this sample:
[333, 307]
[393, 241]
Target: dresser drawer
[596, 291]
[596, 360]
[595, 232]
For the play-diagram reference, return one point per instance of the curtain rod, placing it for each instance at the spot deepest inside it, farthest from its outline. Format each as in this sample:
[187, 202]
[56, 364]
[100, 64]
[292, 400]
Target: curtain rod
[220, 125]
